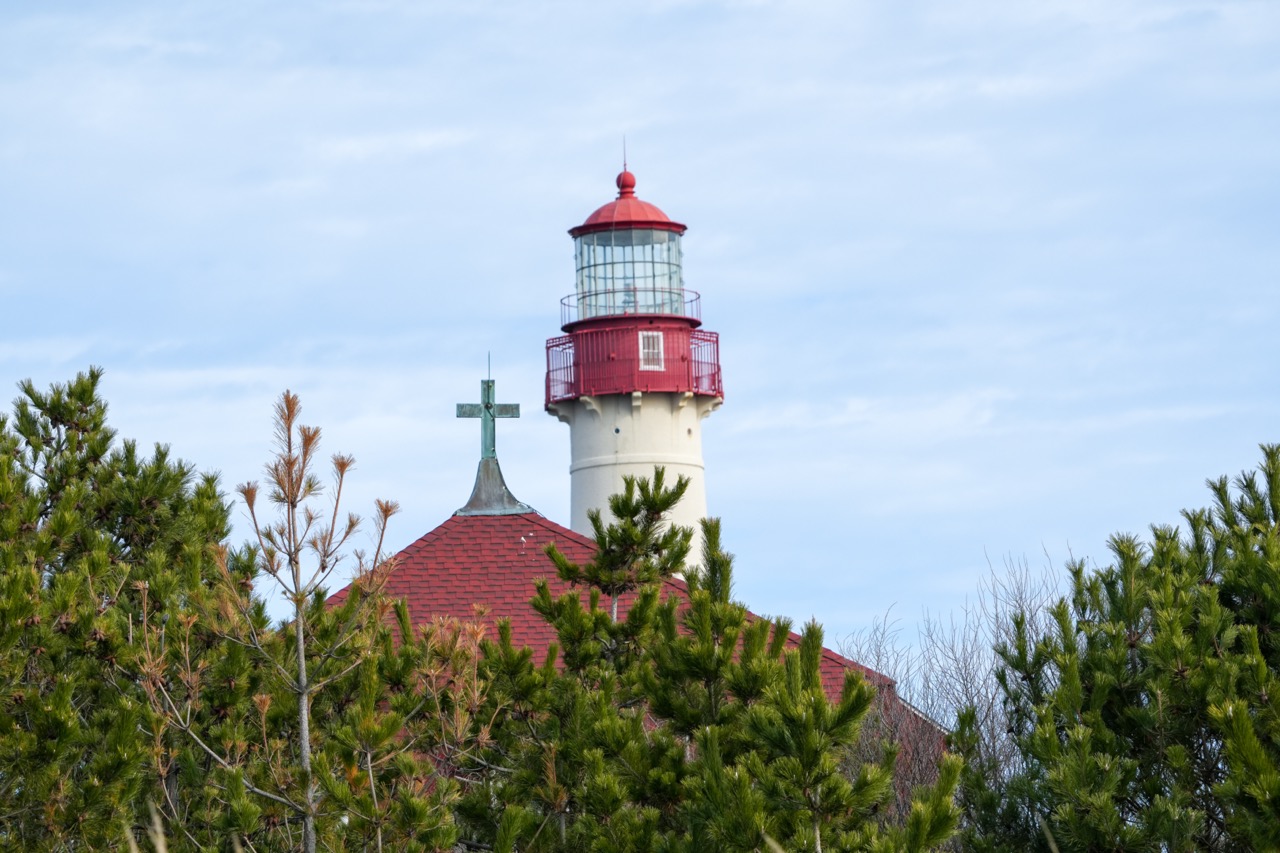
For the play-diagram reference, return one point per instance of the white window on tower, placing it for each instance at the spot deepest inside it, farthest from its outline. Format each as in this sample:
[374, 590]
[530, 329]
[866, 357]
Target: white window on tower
[651, 351]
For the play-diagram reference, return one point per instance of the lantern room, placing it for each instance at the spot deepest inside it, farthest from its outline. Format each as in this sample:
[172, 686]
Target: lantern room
[630, 324]
[627, 259]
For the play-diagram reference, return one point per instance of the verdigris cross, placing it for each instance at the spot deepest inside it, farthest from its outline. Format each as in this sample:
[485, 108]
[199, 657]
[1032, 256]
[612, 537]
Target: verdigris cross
[486, 410]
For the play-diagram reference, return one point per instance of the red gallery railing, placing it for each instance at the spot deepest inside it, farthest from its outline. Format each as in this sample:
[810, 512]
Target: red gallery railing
[606, 361]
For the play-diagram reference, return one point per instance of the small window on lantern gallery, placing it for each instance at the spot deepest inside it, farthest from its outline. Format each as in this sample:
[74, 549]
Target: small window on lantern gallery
[651, 351]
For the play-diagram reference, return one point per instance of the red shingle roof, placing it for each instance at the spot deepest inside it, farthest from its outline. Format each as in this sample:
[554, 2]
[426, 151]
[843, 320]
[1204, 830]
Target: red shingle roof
[492, 561]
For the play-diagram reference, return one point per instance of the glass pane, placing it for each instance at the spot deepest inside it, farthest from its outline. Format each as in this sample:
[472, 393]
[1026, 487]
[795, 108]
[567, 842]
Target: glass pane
[630, 271]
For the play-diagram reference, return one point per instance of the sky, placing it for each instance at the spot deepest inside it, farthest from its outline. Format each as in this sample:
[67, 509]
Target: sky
[993, 280]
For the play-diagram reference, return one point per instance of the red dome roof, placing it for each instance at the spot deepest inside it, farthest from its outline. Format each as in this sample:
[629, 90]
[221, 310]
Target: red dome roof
[626, 211]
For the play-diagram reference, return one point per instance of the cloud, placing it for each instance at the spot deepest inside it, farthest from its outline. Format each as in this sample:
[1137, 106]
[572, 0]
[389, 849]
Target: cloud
[396, 145]
[347, 229]
[907, 418]
[137, 42]
[45, 350]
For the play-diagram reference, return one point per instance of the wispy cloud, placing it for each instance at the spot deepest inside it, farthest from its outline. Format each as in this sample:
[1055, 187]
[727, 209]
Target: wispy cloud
[134, 41]
[387, 146]
[908, 418]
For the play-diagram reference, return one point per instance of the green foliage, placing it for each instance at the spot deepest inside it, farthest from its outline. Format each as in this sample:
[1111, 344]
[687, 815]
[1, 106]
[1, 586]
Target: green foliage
[341, 727]
[1145, 716]
[138, 664]
[684, 726]
[638, 549]
[798, 732]
[86, 526]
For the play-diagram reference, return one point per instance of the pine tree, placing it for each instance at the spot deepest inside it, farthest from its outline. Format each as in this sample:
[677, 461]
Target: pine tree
[680, 726]
[1145, 716]
[580, 770]
[799, 731]
[1246, 542]
[86, 524]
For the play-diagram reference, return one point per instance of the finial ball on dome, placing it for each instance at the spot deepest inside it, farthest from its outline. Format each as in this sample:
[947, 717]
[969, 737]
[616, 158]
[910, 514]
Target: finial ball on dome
[626, 183]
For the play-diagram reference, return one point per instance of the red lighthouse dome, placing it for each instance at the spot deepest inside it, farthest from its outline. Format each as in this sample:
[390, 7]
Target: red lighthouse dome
[631, 325]
[626, 211]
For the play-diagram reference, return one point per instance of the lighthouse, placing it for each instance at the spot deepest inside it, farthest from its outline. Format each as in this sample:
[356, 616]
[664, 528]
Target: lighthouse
[634, 373]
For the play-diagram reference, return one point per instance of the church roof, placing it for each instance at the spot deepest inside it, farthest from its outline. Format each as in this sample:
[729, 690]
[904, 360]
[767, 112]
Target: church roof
[485, 565]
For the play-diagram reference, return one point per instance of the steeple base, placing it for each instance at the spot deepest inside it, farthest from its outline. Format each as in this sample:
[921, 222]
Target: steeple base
[490, 495]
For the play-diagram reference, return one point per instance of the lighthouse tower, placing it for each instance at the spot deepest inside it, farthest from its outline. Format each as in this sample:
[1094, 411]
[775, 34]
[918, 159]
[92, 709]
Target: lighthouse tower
[633, 375]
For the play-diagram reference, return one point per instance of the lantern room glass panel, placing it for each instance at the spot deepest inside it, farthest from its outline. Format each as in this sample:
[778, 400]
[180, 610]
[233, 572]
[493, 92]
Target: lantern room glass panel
[629, 271]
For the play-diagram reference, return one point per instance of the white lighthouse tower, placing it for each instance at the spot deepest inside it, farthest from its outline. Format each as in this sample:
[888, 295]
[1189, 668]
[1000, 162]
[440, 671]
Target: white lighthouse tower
[634, 375]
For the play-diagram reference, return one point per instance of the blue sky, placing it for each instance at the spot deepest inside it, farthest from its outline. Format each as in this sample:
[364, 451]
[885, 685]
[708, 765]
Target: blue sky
[993, 279]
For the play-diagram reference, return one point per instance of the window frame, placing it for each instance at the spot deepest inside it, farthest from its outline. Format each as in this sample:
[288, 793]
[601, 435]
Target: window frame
[651, 351]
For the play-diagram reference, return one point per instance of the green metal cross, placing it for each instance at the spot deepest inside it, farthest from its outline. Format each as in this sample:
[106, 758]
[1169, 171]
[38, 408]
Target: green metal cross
[486, 410]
